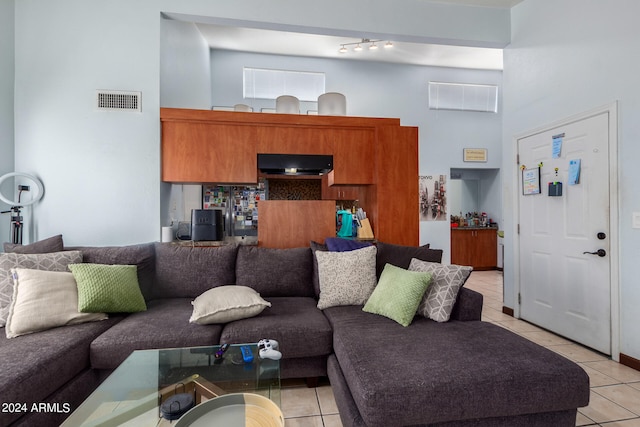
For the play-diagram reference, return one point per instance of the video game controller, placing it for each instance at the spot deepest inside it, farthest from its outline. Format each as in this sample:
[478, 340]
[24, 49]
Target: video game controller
[268, 349]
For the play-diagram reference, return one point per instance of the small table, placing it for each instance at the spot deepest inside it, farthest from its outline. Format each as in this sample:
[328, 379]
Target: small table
[133, 393]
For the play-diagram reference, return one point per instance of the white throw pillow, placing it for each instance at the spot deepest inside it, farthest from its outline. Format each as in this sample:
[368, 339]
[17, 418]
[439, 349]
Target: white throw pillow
[44, 300]
[446, 281]
[224, 304]
[56, 261]
[346, 278]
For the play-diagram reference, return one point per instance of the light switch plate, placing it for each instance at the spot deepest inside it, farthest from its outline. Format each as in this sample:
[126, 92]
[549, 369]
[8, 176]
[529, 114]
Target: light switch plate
[635, 223]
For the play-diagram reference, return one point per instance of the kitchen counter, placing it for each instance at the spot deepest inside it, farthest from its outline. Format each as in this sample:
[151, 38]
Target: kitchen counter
[474, 227]
[236, 240]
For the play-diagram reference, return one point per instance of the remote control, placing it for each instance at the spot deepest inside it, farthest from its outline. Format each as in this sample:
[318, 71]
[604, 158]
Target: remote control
[221, 351]
[247, 354]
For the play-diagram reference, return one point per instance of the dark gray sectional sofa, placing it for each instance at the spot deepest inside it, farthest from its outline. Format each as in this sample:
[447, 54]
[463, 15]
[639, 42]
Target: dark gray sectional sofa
[464, 372]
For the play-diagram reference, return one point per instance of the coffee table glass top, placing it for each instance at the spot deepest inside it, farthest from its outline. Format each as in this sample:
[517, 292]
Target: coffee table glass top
[133, 394]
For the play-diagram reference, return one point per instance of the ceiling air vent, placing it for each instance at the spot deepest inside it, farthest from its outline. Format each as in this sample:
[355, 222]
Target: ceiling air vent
[118, 100]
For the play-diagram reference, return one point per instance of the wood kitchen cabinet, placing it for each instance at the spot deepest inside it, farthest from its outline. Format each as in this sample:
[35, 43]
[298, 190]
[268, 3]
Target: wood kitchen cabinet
[477, 247]
[392, 203]
[294, 223]
[375, 162]
[293, 140]
[353, 152]
[208, 152]
[339, 192]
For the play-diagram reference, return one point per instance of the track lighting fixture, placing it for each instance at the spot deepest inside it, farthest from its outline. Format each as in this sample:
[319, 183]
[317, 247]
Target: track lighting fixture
[358, 45]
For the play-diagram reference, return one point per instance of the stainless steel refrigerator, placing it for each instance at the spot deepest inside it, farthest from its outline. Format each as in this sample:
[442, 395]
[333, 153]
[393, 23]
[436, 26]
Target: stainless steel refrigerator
[239, 206]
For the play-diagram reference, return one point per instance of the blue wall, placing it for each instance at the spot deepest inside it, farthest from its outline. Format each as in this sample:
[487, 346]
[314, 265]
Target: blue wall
[377, 89]
[102, 169]
[559, 65]
[6, 106]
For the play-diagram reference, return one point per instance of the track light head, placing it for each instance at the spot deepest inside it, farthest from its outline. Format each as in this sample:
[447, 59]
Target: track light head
[371, 44]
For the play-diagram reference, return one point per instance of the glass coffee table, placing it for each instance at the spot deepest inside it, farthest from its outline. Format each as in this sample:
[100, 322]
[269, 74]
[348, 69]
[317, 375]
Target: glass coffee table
[134, 393]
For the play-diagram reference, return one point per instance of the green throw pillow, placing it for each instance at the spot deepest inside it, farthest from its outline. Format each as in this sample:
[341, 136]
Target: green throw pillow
[108, 288]
[398, 294]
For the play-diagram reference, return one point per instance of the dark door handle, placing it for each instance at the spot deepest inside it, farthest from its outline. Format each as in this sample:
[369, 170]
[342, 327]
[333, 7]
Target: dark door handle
[599, 252]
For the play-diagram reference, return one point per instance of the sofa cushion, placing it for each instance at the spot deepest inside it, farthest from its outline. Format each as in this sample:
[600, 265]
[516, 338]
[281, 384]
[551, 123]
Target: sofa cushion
[165, 324]
[43, 300]
[439, 372]
[36, 365]
[108, 288]
[439, 299]
[346, 278]
[186, 272]
[398, 294]
[51, 244]
[57, 261]
[142, 256]
[226, 304]
[401, 256]
[275, 272]
[295, 322]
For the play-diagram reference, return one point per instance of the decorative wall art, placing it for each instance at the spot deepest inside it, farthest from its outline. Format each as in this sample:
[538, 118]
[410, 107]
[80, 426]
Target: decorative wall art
[432, 197]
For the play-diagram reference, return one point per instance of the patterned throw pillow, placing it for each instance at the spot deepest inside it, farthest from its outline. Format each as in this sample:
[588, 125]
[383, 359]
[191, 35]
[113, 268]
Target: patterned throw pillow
[398, 294]
[43, 300]
[346, 278]
[56, 261]
[108, 288]
[225, 304]
[441, 296]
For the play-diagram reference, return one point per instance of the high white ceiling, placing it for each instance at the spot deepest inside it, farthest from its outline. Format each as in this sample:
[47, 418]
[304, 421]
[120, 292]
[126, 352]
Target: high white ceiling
[325, 46]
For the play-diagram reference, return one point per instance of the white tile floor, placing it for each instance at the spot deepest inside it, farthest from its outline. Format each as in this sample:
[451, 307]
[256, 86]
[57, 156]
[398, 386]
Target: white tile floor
[615, 389]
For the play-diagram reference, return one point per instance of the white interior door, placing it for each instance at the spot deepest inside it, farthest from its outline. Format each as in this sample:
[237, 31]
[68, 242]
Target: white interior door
[564, 286]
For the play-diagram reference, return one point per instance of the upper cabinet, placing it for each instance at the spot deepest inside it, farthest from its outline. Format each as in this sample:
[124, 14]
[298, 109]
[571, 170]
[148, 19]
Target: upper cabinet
[208, 152]
[293, 140]
[353, 152]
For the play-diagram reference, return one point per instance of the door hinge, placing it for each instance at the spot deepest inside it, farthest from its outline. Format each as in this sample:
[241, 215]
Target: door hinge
[517, 159]
[518, 228]
[519, 299]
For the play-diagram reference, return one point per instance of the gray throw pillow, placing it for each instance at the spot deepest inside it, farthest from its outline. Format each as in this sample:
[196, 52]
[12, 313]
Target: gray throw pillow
[346, 278]
[52, 244]
[56, 261]
[446, 281]
[401, 256]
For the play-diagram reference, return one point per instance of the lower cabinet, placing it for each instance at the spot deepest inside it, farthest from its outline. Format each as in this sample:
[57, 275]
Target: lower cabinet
[477, 247]
[339, 192]
[294, 223]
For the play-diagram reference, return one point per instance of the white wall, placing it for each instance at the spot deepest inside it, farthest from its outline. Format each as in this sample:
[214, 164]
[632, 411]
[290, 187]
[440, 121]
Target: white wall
[6, 107]
[102, 170]
[185, 82]
[562, 63]
[377, 89]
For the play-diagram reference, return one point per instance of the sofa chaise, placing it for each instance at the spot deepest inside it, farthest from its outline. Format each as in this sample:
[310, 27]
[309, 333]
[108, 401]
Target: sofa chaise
[462, 372]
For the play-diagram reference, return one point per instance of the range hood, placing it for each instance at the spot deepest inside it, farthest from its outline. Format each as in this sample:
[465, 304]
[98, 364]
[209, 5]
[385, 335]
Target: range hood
[295, 164]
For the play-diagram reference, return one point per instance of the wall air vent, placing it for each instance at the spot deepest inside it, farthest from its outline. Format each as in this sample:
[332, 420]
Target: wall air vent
[463, 97]
[118, 100]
